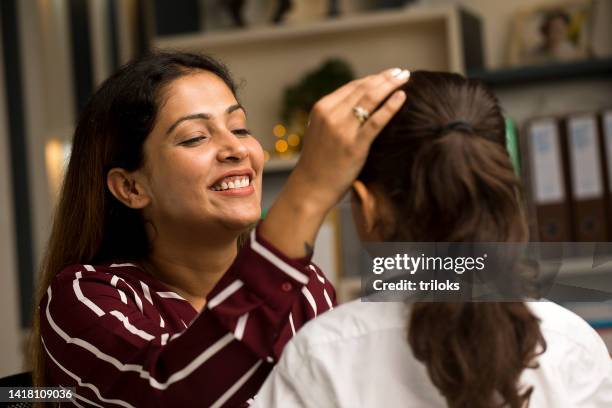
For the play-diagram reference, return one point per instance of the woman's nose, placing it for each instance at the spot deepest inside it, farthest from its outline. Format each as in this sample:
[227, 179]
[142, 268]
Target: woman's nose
[231, 148]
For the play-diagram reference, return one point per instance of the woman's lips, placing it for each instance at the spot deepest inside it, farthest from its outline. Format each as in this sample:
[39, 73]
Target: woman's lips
[236, 192]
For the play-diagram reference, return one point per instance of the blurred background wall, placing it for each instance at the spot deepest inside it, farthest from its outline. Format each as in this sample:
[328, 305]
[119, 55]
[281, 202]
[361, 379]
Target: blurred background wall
[9, 307]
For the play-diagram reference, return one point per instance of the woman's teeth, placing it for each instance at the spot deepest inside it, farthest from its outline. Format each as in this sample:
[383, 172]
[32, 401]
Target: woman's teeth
[232, 183]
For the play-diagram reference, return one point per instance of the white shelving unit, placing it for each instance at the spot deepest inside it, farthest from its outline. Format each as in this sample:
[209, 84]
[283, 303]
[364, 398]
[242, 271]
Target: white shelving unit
[266, 60]
[349, 24]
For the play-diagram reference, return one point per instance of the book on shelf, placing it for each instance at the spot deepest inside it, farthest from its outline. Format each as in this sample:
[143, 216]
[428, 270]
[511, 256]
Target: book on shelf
[586, 185]
[546, 177]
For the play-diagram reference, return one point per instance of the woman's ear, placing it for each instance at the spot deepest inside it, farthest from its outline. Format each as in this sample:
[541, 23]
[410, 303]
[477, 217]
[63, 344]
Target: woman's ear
[365, 209]
[126, 188]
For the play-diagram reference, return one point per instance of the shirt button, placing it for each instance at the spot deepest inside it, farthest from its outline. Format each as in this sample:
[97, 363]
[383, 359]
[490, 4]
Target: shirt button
[286, 287]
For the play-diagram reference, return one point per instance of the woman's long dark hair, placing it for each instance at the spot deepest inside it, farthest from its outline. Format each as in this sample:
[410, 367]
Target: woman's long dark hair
[90, 224]
[443, 162]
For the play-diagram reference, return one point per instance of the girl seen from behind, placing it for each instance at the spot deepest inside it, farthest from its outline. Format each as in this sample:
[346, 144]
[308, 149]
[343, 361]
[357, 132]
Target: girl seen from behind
[439, 171]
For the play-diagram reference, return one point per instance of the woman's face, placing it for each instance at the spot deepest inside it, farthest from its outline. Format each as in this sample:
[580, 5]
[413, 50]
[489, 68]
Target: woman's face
[203, 168]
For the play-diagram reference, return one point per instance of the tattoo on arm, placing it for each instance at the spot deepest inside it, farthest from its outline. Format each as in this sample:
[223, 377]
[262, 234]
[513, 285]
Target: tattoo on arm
[308, 248]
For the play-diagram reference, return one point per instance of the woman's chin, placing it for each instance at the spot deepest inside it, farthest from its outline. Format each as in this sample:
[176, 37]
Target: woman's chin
[240, 224]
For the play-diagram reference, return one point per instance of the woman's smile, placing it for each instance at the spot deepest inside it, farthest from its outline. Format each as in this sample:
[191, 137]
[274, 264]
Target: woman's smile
[237, 183]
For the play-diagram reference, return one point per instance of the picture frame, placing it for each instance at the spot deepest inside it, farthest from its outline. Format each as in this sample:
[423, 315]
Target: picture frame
[551, 33]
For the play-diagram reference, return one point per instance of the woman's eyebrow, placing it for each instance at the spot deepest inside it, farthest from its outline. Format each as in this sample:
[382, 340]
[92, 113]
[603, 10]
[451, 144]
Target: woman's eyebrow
[235, 107]
[205, 116]
[193, 116]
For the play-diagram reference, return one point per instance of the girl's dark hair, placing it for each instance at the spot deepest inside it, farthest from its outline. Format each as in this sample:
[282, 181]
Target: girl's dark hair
[90, 224]
[443, 164]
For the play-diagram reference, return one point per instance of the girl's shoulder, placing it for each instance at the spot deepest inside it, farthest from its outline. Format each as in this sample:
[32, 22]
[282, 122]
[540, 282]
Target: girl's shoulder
[560, 322]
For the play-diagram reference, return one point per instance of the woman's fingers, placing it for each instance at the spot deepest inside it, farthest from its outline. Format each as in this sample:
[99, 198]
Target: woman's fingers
[371, 93]
[329, 101]
[357, 87]
[372, 127]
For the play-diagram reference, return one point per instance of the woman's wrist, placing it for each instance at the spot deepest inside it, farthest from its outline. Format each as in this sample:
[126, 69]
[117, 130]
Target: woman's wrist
[313, 197]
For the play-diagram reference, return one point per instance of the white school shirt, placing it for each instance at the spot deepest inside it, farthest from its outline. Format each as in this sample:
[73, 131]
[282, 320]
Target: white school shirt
[357, 355]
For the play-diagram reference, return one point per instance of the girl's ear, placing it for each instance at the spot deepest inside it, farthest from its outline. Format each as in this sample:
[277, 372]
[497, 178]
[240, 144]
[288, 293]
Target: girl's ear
[364, 209]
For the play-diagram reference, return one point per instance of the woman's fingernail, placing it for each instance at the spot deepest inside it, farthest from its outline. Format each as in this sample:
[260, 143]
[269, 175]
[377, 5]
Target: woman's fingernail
[396, 72]
[403, 75]
[399, 95]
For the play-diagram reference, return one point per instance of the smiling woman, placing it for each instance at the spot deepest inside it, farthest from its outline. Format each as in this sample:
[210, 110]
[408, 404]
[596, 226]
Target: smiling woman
[198, 143]
[146, 297]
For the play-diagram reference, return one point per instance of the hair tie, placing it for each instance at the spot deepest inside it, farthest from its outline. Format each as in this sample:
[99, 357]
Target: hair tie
[458, 125]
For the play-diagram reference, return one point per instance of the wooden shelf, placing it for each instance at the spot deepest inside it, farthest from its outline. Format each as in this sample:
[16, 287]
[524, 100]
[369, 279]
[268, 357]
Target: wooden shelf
[594, 68]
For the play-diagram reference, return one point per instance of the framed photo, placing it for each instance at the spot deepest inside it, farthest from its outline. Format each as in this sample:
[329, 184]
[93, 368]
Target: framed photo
[552, 33]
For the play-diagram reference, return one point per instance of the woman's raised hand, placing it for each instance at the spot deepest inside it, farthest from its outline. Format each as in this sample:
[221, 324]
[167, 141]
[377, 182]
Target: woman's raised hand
[342, 127]
[336, 143]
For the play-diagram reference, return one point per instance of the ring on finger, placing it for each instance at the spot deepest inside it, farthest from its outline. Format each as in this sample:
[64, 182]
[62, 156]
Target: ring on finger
[361, 114]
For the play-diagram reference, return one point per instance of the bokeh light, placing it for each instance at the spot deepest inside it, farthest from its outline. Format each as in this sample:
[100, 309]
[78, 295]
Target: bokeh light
[279, 130]
[281, 146]
[293, 139]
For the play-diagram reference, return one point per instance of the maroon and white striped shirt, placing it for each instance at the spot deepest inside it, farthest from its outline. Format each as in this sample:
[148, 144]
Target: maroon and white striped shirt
[124, 339]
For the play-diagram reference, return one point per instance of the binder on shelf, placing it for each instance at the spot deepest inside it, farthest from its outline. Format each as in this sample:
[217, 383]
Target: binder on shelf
[547, 180]
[605, 130]
[587, 190]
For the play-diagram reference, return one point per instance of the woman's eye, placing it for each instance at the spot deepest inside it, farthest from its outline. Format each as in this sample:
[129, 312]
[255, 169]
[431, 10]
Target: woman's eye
[241, 132]
[192, 141]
